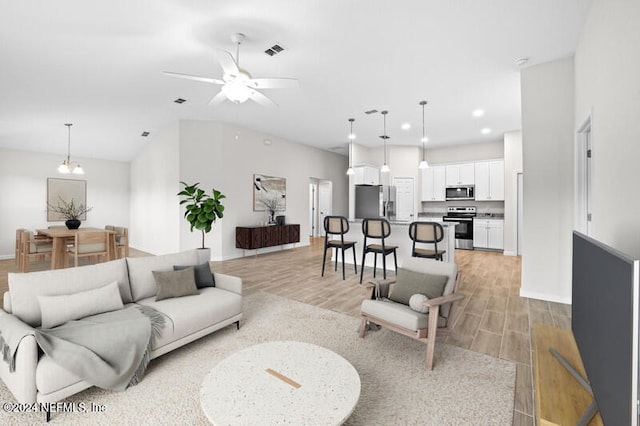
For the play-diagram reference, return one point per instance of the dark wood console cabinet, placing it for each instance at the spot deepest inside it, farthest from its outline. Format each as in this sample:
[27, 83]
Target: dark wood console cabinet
[255, 237]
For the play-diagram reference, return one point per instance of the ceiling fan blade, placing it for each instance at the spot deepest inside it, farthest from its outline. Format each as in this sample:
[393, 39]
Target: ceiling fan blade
[261, 99]
[194, 77]
[218, 98]
[228, 64]
[273, 83]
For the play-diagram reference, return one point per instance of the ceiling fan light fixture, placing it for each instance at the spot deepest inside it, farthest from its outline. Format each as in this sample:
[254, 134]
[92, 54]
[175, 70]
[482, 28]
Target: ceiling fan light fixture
[236, 92]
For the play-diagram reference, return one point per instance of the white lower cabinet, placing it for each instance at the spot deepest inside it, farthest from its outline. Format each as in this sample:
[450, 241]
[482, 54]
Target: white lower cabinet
[488, 233]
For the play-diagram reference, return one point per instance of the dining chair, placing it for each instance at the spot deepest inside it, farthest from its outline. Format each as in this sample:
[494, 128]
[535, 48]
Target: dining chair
[121, 240]
[337, 225]
[379, 229]
[32, 247]
[90, 244]
[426, 233]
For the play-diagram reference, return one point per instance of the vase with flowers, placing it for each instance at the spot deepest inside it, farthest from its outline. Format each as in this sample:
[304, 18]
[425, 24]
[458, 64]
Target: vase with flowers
[71, 211]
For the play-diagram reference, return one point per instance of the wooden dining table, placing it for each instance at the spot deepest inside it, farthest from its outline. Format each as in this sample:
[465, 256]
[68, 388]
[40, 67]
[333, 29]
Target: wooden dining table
[60, 235]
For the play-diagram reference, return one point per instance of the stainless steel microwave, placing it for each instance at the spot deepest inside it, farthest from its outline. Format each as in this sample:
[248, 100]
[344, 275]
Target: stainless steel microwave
[455, 193]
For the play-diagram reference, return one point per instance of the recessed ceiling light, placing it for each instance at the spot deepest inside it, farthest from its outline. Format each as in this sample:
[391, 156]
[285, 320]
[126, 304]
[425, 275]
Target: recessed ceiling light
[180, 101]
[267, 142]
[405, 126]
[485, 131]
[145, 134]
[478, 113]
[521, 62]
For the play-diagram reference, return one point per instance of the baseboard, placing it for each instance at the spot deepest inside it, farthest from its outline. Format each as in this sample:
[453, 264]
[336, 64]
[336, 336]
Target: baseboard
[7, 256]
[264, 250]
[510, 253]
[544, 296]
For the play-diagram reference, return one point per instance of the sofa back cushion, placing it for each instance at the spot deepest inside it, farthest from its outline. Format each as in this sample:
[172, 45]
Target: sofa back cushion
[24, 289]
[141, 269]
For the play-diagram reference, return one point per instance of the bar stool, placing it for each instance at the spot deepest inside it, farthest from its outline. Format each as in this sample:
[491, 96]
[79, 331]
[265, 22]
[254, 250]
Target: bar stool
[377, 228]
[427, 233]
[337, 225]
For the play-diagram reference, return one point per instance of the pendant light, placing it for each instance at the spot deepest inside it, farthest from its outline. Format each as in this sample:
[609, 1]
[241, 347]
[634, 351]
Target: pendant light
[350, 170]
[423, 163]
[67, 165]
[385, 167]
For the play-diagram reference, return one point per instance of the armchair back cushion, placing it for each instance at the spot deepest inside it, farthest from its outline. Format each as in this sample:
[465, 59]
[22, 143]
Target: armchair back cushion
[434, 267]
[410, 282]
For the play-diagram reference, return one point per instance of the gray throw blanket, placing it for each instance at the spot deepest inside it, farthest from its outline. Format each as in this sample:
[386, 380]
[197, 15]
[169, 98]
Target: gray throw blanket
[109, 350]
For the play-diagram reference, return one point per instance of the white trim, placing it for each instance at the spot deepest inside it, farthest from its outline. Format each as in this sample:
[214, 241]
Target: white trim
[580, 178]
[634, 345]
[544, 296]
[7, 256]
[510, 253]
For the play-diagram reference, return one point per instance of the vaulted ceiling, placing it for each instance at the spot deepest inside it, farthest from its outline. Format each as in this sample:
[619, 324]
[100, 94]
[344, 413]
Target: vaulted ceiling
[99, 66]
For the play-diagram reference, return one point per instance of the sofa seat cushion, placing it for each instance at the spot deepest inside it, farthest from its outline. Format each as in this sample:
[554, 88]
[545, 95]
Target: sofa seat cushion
[189, 314]
[51, 377]
[398, 314]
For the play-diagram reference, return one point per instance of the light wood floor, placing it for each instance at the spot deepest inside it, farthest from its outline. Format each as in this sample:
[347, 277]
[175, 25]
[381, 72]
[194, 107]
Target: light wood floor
[493, 320]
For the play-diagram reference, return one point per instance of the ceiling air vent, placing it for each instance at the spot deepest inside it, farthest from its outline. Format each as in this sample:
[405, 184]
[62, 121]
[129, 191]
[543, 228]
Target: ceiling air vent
[275, 49]
[145, 134]
[371, 111]
[180, 101]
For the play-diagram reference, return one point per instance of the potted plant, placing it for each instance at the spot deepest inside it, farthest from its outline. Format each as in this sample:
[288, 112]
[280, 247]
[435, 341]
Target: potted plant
[70, 211]
[202, 209]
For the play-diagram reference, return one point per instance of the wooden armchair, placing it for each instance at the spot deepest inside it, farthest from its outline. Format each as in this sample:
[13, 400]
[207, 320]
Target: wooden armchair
[90, 244]
[31, 246]
[401, 318]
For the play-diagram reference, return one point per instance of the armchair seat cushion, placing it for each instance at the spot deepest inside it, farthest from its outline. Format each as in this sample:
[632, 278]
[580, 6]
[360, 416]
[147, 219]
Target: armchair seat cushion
[398, 314]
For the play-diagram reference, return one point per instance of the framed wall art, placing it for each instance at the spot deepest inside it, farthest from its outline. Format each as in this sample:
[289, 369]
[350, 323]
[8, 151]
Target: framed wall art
[269, 193]
[66, 190]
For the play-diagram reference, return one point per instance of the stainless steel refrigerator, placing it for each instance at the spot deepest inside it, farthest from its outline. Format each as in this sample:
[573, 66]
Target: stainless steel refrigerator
[375, 201]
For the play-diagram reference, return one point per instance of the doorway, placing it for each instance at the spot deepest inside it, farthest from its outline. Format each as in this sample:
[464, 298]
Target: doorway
[584, 178]
[320, 204]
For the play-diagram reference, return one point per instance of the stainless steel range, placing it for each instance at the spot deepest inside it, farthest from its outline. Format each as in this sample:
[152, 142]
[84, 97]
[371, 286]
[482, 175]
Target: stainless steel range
[464, 229]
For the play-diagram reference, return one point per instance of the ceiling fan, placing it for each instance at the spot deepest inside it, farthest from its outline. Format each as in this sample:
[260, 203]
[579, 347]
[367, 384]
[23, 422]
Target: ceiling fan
[237, 84]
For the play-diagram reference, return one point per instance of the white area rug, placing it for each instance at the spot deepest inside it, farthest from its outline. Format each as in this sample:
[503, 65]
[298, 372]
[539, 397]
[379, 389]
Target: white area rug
[464, 388]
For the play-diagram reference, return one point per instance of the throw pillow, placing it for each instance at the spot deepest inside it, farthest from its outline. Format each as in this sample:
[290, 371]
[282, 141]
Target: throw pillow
[204, 277]
[56, 310]
[175, 283]
[409, 283]
[416, 303]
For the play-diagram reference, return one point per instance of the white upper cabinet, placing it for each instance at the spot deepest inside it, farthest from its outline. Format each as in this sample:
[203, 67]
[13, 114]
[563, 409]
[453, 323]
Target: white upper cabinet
[433, 184]
[460, 174]
[366, 175]
[489, 179]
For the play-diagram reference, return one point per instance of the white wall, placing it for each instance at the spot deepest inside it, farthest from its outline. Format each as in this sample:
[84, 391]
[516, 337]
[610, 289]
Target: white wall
[465, 153]
[155, 212]
[512, 166]
[23, 185]
[607, 82]
[209, 152]
[547, 138]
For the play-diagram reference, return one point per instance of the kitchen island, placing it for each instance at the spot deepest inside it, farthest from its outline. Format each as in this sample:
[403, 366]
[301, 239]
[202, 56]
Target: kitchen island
[399, 237]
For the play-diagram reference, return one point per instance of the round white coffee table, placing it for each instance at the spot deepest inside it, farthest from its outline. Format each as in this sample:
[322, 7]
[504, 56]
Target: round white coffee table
[281, 383]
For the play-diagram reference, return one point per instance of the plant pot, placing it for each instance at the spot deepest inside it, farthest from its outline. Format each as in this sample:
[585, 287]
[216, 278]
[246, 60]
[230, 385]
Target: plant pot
[73, 223]
[204, 255]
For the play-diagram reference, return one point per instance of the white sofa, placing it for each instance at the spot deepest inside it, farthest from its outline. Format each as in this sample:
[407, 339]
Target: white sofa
[38, 379]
